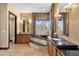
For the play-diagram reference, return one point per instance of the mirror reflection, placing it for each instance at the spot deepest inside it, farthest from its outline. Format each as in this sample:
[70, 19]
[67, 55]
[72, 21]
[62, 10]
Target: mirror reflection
[25, 25]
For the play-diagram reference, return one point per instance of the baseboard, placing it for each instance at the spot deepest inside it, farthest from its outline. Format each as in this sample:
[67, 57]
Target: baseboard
[1, 48]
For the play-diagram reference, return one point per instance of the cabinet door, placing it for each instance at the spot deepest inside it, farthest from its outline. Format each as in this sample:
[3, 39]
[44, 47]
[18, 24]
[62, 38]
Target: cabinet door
[54, 49]
[21, 38]
[51, 48]
[28, 36]
[59, 53]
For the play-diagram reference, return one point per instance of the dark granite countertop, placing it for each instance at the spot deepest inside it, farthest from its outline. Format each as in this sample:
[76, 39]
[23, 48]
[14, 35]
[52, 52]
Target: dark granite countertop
[66, 47]
[64, 44]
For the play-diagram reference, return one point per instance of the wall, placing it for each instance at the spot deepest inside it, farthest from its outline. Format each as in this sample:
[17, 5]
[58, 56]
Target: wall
[33, 23]
[54, 11]
[73, 25]
[13, 10]
[4, 9]
[24, 15]
[3, 26]
[42, 16]
[32, 17]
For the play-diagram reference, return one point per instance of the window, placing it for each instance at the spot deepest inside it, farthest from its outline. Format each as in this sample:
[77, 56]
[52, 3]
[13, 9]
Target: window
[60, 26]
[42, 27]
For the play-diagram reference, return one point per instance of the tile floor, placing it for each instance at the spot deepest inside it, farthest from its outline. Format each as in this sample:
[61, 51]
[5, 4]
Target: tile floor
[21, 50]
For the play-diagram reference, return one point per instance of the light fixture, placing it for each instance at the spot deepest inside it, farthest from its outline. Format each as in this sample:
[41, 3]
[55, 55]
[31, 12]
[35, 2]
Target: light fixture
[68, 7]
[43, 9]
[57, 15]
[70, 4]
[21, 21]
[30, 21]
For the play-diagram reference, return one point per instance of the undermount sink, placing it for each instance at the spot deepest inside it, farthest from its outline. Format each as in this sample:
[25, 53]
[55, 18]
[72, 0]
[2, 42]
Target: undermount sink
[56, 39]
[62, 42]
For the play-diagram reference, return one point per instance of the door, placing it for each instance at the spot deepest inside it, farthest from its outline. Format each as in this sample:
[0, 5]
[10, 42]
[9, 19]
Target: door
[12, 27]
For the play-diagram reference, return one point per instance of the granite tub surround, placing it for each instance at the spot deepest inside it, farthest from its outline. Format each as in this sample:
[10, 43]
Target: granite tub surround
[39, 43]
[39, 40]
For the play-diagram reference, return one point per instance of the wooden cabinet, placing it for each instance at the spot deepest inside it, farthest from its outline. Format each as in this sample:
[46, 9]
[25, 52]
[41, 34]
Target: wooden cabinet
[59, 53]
[52, 49]
[23, 38]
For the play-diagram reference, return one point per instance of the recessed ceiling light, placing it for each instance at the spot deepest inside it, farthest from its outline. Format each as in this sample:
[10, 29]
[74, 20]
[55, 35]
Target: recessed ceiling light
[43, 9]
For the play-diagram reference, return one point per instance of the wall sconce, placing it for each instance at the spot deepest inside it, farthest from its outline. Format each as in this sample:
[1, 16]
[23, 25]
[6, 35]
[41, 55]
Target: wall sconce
[57, 15]
[30, 21]
[68, 7]
[21, 21]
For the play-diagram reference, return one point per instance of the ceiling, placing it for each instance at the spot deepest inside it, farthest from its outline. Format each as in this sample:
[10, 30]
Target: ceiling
[31, 7]
[61, 7]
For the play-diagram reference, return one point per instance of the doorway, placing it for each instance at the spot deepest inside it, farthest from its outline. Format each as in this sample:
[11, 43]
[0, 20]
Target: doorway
[12, 27]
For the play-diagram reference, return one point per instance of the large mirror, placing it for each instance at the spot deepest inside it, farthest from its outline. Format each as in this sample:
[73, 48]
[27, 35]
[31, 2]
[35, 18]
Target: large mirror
[63, 24]
[25, 24]
[63, 20]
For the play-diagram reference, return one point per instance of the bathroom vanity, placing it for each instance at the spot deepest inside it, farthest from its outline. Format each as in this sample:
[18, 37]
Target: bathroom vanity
[59, 47]
[23, 37]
